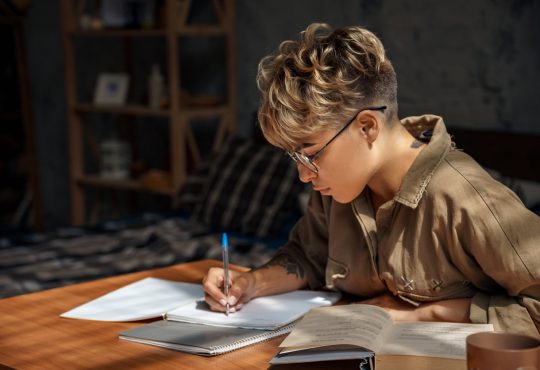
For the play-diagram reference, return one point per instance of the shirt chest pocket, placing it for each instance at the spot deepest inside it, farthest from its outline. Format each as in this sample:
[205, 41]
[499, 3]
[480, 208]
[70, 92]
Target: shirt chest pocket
[420, 275]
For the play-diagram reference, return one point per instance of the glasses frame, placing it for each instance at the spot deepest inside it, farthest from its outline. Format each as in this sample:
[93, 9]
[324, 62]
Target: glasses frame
[308, 160]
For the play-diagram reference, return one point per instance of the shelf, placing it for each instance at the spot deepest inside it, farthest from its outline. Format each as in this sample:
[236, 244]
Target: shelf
[202, 30]
[140, 110]
[192, 30]
[128, 184]
[180, 152]
[120, 33]
[135, 110]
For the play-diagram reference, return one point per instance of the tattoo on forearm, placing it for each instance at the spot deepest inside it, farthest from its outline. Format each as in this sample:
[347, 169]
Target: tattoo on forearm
[288, 263]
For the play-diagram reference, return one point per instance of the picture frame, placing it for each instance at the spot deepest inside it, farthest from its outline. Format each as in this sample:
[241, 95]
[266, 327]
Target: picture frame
[111, 89]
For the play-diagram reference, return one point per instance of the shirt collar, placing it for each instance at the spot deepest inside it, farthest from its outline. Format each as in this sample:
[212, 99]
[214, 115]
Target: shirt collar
[418, 176]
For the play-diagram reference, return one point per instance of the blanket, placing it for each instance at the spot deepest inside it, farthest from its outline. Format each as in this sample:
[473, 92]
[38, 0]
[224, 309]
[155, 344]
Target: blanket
[76, 255]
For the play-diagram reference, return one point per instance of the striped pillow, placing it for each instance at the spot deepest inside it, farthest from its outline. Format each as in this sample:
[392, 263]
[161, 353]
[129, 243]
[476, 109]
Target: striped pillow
[251, 188]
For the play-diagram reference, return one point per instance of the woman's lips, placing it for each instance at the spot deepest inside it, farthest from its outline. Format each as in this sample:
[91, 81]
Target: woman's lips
[323, 191]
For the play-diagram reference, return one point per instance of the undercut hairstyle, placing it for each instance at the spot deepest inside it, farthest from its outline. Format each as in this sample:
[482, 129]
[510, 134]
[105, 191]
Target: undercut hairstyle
[320, 81]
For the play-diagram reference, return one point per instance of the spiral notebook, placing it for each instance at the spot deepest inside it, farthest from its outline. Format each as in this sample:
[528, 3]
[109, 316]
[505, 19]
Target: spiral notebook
[199, 339]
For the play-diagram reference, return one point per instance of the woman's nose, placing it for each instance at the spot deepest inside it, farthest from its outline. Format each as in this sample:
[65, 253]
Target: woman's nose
[304, 173]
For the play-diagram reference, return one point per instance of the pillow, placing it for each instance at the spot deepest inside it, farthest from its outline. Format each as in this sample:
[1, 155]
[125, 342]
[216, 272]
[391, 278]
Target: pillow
[192, 190]
[251, 188]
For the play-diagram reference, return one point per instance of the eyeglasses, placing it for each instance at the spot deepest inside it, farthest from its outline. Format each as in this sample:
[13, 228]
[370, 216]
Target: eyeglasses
[308, 160]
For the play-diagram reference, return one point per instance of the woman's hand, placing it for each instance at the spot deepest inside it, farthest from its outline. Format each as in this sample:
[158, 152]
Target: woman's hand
[241, 289]
[450, 310]
[281, 274]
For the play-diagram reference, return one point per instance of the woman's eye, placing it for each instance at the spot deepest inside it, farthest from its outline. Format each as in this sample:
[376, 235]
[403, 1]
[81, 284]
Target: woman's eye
[311, 150]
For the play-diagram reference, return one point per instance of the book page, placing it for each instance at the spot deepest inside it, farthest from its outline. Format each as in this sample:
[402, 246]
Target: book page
[355, 324]
[143, 299]
[434, 339]
[266, 313]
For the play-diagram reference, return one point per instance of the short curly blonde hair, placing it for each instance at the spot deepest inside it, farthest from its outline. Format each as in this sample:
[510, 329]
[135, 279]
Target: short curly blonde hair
[320, 81]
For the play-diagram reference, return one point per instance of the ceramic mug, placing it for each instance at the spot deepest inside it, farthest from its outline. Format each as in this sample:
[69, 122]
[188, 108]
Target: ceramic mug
[502, 351]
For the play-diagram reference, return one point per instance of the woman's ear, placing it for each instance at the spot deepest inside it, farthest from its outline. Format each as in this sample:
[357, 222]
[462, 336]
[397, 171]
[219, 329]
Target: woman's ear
[368, 125]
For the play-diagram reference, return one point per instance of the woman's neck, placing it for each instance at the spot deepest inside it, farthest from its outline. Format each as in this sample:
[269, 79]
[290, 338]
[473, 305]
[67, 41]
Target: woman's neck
[400, 149]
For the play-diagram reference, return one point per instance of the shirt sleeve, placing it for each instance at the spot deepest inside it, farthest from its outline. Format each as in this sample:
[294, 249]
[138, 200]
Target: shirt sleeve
[504, 238]
[308, 242]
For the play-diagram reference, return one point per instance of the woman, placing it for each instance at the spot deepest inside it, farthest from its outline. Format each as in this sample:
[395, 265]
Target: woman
[397, 215]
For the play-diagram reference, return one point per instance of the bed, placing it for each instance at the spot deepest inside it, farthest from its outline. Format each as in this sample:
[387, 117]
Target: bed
[248, 189]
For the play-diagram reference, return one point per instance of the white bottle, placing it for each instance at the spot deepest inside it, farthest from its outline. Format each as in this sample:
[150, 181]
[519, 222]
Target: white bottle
[156, 87]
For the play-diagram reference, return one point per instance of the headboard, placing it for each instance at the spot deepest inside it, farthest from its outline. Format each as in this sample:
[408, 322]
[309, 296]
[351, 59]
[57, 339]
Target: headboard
[512, 154]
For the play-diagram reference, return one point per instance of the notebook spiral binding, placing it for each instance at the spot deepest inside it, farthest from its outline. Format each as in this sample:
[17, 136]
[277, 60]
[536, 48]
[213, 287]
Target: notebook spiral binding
[217, 350]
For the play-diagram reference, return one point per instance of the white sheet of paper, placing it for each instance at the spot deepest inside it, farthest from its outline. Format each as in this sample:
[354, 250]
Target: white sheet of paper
[143, 299]
[438, 339]
[260, 313]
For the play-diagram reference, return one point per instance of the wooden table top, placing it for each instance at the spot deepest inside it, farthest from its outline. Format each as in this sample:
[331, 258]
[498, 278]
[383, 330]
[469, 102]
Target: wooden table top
[34, 336]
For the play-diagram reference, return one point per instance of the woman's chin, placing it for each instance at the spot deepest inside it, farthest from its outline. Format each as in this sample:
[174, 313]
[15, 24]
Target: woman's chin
[344, 198]
[341, 199]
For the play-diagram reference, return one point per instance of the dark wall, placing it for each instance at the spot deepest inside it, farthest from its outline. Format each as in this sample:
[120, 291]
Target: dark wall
[473, 62]
[46, 70]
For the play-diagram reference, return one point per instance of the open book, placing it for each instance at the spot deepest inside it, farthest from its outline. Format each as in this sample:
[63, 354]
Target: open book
[177, 301]
[356, 330]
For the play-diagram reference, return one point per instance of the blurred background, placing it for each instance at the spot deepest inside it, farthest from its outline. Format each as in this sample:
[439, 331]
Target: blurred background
[475, 63]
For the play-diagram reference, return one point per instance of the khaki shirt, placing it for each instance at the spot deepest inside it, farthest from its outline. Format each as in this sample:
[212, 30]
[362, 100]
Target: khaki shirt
[451, 231]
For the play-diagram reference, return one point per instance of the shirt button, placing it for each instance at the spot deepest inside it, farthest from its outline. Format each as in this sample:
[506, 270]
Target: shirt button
[407, 284]
[436, 284]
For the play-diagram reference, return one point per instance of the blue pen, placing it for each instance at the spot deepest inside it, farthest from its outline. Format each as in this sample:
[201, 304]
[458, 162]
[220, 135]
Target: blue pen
[225, 248]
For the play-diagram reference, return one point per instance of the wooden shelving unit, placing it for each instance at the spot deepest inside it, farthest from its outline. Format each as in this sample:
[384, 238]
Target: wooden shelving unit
[178, 114]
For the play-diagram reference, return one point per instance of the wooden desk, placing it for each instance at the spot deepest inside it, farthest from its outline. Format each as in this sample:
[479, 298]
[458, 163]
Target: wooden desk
[34, 336]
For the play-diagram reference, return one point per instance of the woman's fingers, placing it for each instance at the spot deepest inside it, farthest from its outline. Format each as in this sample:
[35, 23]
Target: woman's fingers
[213, 287]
